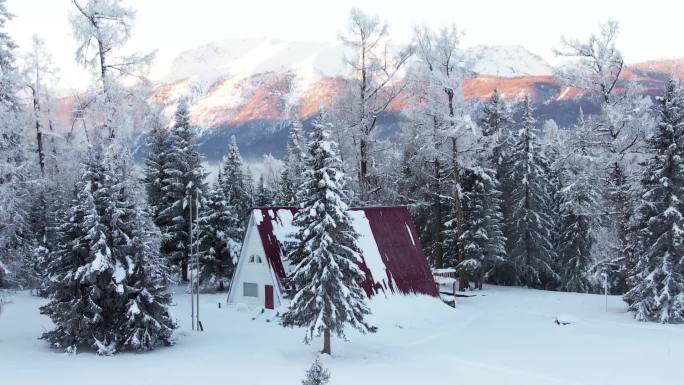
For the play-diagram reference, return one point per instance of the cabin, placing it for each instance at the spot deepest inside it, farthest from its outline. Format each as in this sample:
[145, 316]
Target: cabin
[392, 256]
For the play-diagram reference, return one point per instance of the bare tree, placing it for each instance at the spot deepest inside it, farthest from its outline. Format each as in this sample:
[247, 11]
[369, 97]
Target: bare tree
[597, 68]
[599, 63]
[375, 83]
[620, 127]
[101, 28]
[440, 116]
[39, 70]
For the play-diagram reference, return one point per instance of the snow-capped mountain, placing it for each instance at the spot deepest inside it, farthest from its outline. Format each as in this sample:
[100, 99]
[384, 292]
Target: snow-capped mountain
[241, 80]
[257, 55]
[325, 59]
[508, 61]
[247, 87]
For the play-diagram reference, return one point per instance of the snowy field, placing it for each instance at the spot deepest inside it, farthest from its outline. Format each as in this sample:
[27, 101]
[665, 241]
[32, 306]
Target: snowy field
[502, 336]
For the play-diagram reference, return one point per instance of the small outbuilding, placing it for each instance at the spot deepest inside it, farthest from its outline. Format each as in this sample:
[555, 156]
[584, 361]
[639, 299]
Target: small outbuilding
[392, 256]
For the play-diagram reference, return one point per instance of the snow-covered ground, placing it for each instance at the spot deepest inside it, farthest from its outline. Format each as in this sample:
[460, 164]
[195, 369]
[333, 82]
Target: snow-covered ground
[502, 336]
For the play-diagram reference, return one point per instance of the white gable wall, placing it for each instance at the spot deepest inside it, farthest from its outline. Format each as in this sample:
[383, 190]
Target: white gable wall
[258, 273]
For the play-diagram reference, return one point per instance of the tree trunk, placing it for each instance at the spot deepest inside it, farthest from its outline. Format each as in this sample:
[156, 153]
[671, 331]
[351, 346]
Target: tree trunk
[463, 280]
[184, 271]
[480, 278]
[326, 342]
[39, 134]
[438, 220]
[363, 168]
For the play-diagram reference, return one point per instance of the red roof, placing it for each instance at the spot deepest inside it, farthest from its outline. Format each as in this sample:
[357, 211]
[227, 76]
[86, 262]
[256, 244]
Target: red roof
[392, 255]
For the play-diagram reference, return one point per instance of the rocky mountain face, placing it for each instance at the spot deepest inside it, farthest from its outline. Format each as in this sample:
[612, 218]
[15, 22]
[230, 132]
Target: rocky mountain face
[247, 87]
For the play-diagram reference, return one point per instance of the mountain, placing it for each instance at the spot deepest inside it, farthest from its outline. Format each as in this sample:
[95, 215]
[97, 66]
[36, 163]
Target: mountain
[239, 81]
[507, 61]
[248, 87]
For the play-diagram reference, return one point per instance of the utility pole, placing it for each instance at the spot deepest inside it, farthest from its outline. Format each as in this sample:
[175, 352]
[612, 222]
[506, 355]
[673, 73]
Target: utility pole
[192, 281]
[199, 323]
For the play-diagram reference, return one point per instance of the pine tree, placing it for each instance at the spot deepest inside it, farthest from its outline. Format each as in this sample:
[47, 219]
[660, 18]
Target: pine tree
[317, 374]
[81, 268]
[483, 241]
[108, 288]
[236, 183]
[619, 197]
[148, 322]
[496, 124]
[657, 280]
[156, 164]
[574, 250]
[530, 226]
[183, 187]
[327, 276]
[577, 201]
[45, 209]
[291, 177]
[497, 117]
[15, 239]
[219, 232]
[264, 195]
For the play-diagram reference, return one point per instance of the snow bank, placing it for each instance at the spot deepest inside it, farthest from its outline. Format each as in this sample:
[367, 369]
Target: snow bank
[502, 336]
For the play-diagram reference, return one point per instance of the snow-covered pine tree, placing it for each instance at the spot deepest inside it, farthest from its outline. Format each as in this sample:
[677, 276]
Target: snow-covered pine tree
[184, 182]
[577, 200]
[317, 374]
[139, 273]
[148, 321]
[81, 268]
[326, 276]
[237, 186]
[496, 124]
[156, 164]
[484, 243]
[530, 225]
[250, 190]
[406, 175]
[574, 249]
[496, 115]
[14, 172]
[264, 196]
[44, 212]
[219, 233]
[619, 192]
[108, 287]
[291, 177]
[657, 279]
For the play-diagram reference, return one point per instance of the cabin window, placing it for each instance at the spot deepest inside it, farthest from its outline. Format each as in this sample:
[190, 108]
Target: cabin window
[255, 258]
[250, 289]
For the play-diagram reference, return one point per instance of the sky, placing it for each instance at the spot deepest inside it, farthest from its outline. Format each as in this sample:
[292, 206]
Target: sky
[649, 29]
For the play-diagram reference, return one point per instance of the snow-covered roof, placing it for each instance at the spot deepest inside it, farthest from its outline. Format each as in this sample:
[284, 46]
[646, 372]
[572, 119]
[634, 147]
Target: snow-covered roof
[392, 257]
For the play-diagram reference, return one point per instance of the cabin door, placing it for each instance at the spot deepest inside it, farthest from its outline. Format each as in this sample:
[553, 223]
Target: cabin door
[268, 297]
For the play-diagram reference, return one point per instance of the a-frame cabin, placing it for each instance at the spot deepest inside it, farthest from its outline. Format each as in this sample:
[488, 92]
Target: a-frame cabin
[392, 256]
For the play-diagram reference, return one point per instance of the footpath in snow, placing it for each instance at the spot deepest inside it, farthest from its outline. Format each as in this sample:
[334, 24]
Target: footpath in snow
[501, 336]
